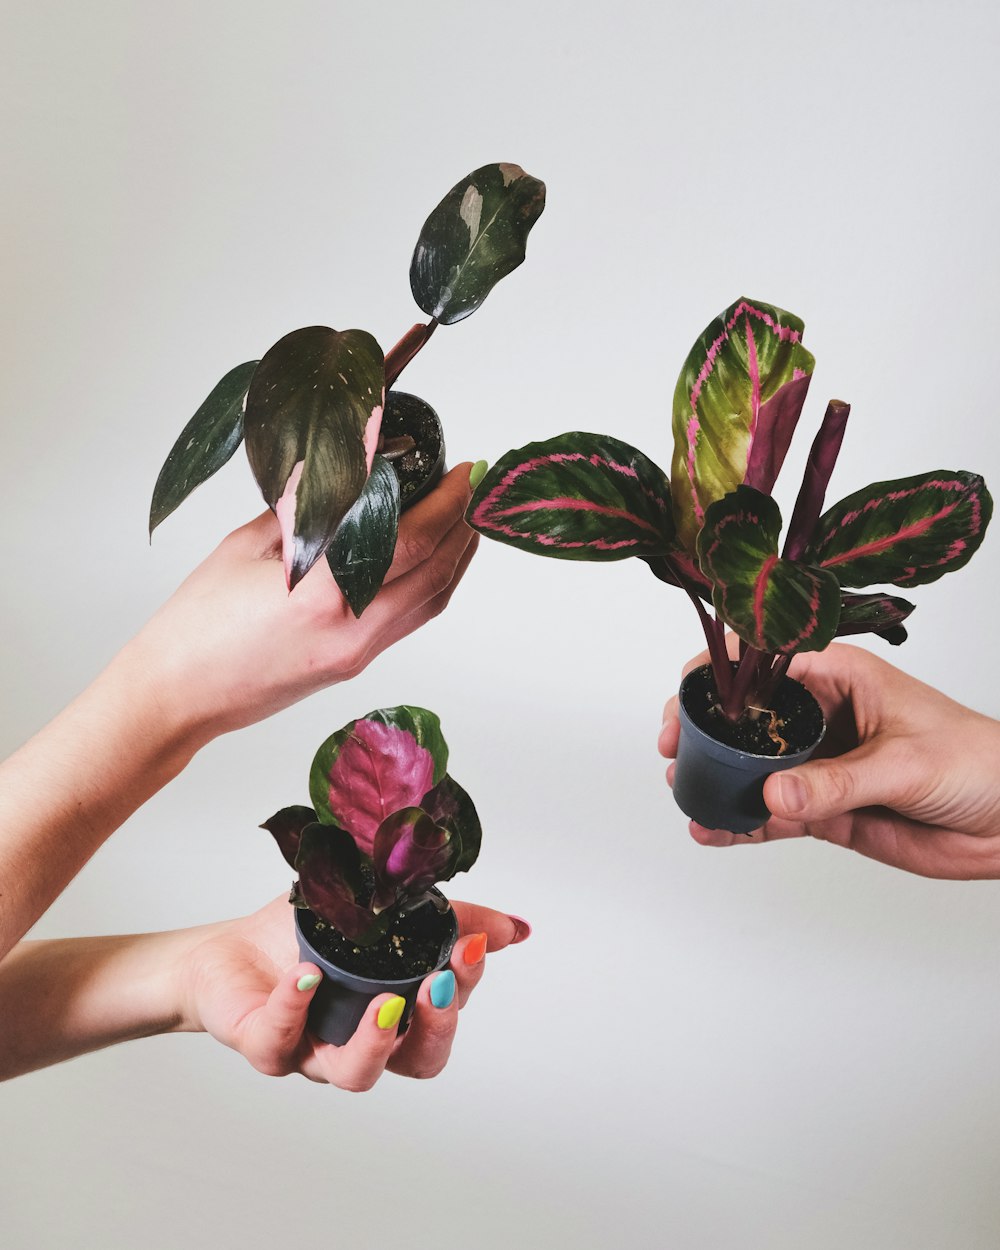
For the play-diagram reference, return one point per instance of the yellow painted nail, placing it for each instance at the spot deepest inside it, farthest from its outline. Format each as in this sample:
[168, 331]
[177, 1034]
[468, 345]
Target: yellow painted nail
[389, 1013]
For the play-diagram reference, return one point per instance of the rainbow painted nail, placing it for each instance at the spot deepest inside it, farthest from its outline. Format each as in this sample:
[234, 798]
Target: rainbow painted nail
[475, 949]
[389, 1013]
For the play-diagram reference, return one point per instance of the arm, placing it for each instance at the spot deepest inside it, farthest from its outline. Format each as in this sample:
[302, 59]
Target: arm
[910, 777]
[237, 980]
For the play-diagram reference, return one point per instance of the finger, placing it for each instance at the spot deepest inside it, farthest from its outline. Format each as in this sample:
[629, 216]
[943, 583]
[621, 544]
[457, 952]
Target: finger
[670, 730]
[424, 525]
[359, 1063]
[501, 928]
[273, 1033]
[425, 1048]
[872, 775]
[722, 837]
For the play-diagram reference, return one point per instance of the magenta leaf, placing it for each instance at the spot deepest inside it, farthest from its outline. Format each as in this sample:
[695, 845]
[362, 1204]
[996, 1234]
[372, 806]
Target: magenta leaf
[410, 854]
[286, 828]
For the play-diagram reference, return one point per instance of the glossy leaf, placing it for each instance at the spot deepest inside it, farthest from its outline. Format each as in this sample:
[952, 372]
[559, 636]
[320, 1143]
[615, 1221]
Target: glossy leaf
[410, 854]
[330, 879]
[449, 805]
[362, 548]
[773, 604]
[577, 496]
[736, 404]
[874, 614]
[286, 828]
[312, 423]
[205, 444]
[908, 532]
[375, 766]
[475, 237]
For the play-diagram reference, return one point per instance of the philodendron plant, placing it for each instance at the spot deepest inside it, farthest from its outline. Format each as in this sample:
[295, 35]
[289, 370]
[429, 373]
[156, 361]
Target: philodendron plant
[713, 528]
[314, 409]
[387, 824]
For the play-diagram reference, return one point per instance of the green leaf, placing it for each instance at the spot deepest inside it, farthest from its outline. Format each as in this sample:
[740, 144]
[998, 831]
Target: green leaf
[312, 421]
[909, 531]
[205, 444]
[475, 237]
[362, 548]
[578, 497]
[774, 605]
[736, 404]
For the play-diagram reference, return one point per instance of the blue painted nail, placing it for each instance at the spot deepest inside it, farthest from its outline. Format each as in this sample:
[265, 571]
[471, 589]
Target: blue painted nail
[443, 989]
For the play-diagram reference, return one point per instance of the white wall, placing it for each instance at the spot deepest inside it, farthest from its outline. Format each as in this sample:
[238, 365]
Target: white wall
[760, 1048]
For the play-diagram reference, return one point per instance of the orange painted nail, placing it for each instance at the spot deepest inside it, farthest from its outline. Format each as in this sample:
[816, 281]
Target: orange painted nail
[475, 949]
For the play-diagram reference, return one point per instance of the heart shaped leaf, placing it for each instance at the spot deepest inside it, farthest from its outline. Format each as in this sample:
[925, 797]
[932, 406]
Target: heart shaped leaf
[475, 237]
[330, 879]
[205, 444]
[874, 614]
[577, 496]
[773, 604]
[410, 854]
[450, 806]
[736, 404]
[375, 766]
[362, 548]
[909, 531]
[286, 828]
[312, 423]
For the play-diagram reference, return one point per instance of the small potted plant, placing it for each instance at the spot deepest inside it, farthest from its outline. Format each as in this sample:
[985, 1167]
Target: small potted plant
[713, 530]
[388, 823]
[335, 450]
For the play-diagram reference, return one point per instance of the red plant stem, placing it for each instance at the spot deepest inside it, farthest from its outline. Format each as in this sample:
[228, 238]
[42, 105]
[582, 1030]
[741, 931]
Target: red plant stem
[742, 684]
[771, 682]
[398, 357]
[714, 630]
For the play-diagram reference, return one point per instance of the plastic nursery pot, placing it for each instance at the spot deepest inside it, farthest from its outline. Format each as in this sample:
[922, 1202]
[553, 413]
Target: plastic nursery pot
[420, 469]
[721, 786]
[342, 997]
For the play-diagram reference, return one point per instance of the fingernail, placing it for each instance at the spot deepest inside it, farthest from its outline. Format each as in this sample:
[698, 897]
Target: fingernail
[475, 949]
[443, 988]
[389, 1013]
[477, 473]
[308, 982]
[791, 792]
[522, 930]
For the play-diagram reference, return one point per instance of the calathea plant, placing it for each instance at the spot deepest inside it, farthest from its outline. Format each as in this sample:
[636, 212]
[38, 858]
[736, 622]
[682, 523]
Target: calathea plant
[335, 450]
[713, 529]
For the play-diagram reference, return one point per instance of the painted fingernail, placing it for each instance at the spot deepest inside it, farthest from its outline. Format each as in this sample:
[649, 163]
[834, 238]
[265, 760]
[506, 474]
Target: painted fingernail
[389, 1013]
[443, 988]
[309, 981]
[477, 473]
[475, 949]
[792, 793]
[522, 930]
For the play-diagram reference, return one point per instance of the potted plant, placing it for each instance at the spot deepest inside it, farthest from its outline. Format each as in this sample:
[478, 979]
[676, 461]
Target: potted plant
[388, 823]
[335, 450]
[713, 530]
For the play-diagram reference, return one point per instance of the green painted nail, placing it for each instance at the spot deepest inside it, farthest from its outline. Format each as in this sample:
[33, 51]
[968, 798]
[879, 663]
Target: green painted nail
[477, 473]
[309, 981]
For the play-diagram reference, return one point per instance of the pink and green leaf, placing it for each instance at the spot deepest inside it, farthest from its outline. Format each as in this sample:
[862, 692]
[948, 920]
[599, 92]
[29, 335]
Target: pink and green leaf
[906, 532]
[775, 605]
[880, 614]
[736, 405]
[577, 496]
[411, 853]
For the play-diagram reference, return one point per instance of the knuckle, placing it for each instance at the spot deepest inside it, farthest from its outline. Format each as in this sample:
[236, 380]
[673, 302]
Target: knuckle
[357, 1083]
[417, 547]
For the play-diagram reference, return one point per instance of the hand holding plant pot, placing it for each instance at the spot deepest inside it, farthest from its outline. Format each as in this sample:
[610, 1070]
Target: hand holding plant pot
[388, 824]
[714, 531]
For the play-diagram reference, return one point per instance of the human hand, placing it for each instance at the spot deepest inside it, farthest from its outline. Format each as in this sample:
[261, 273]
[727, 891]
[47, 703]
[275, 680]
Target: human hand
[241, 985]
[232, 646]
[905, 775]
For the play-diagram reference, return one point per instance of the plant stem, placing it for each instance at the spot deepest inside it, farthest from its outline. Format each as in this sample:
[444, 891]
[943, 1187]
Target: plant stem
[742, 684]
[398, 357]
[714, 630]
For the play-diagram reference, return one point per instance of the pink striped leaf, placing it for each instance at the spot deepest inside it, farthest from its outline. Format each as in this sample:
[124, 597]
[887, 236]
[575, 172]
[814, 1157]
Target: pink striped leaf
[880, 614]
[907, 532]
[779, 606]
[577, 496]
[736, 404]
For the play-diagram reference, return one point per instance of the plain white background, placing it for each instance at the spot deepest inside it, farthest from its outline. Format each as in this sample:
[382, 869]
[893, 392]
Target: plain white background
[756, 1048]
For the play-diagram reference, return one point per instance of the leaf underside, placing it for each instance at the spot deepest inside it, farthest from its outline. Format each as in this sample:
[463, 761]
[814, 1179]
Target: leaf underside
[880, 614]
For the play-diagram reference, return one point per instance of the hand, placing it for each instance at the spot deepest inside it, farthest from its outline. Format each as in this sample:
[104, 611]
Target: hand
[905, 775]
[241, 985]
[232, 646]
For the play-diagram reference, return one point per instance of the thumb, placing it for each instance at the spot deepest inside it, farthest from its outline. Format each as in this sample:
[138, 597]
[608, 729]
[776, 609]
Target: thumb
[825, 788]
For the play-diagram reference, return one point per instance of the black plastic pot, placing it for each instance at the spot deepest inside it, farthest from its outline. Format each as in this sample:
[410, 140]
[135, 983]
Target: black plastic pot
[420, 470]
[720, 786]
[342, 998]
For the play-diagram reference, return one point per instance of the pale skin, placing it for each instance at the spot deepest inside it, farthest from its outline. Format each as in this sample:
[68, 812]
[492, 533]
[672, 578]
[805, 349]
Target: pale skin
[906, 775]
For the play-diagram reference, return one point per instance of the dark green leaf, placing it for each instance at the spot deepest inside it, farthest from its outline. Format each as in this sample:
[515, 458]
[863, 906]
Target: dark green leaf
[362, 548]
[286, 828]
[312, 421]
[475, 237]
[205, 444]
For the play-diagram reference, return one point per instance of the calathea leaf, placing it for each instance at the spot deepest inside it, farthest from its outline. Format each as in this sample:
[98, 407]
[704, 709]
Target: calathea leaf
[205, 444]
[312, 423]
[909, 531]
[410, 854]
[286, 828]
[375, 766]
[773, 604]
[450, 806]
[330, 879]
[362, 548]
[874, 614]
[475, 237]
[736, 404]
[577, 496]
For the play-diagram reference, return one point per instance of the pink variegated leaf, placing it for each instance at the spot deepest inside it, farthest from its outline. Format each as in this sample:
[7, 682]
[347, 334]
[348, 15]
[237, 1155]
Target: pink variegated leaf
[577, 496]
[736, 404]
[411, 853]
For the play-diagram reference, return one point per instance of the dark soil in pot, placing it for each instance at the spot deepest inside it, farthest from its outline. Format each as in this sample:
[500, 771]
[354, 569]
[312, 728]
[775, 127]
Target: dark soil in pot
[792, 722]
[412, 947]
[419, 468]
